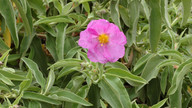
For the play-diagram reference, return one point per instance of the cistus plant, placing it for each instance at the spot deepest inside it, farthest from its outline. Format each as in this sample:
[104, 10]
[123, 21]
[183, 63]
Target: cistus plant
[95, 54]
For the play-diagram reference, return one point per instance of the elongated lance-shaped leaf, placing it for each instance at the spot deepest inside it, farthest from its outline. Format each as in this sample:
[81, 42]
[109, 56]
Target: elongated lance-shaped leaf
[6, 10]
[186, 11]
[12, 76]
[26, 84]
[178, 76]
[64, 95]
[115, 12]
[60, 40]
[54, 19]
[173, 53]
[34, 104]
[125, 75]
[6, 80]
[66, 62]
[35, 70]
[134, 11]
[109, 94]
[2, 58]
[155, 24]
[164, 13]
[3, 46]
[142, 61]
[24, 18]
[159, 104]
[176, 98]
[40, 97]
[119, 87]
[151, 70]
[38, 5]
[50, 81]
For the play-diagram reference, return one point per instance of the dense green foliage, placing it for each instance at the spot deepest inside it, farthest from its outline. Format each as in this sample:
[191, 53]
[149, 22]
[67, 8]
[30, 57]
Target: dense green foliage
[42, 66]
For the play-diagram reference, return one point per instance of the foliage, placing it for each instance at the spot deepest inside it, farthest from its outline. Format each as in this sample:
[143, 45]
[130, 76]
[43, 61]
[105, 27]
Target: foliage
[42, 66]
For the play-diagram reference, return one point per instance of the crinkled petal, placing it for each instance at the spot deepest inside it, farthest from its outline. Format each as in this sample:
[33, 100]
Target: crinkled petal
[116, 36]
[87, 39]
[114, 52]
[100, 26]
[106, 53]
[97, 54]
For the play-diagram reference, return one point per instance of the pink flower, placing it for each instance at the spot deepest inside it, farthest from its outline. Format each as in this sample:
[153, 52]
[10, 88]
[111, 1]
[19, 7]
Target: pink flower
[104, 41]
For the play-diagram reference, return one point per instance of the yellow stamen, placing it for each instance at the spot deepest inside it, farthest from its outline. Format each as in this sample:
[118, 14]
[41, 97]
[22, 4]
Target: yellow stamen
[103, 38]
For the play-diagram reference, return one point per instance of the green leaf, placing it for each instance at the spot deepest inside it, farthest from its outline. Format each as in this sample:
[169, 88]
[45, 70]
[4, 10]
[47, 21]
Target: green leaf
[178, 76]
[122, 92]
[186, 11]
[51, 46]
[173, 53]
[176, 98]
[83, 92]
[6, 10]
[84, 56]
[102, 104]
[151, 70]
[4, 87]
[110, 94]
[34, 104]
[124, 15]
[153, 91]
[12, 76]
[38, 55]
[3, 46]
[50, 81]
[159, 104]
[86, 7]
[25, 19]
[40, 97]
[35, 70]
[164, 13]
[13, 57]
[117, 65]
[60, 40]
[72, 52]
[66, 71]
[68, 96]
[54, 19]
[168, 62]
[38, 5]
[134, 11]
[6, 80]
[186, 40]
[16, 102]
[67, 8]
[163, 82]
[58, 6]
[155, 24]
[26, 84]
[3, 57]
[142, 61]
[48, 29]
[67, 62]
[82, 1]
[115, 12]
[146, 8]
[125, 75]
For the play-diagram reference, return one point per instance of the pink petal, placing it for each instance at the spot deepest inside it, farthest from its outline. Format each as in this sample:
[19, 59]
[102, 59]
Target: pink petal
[100, 26]
[114, 51]
[116, 36]
[87, 40]
[97, 54]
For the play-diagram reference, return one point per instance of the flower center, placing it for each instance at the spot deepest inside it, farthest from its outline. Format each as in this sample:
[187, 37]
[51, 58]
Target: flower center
[103, 38]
